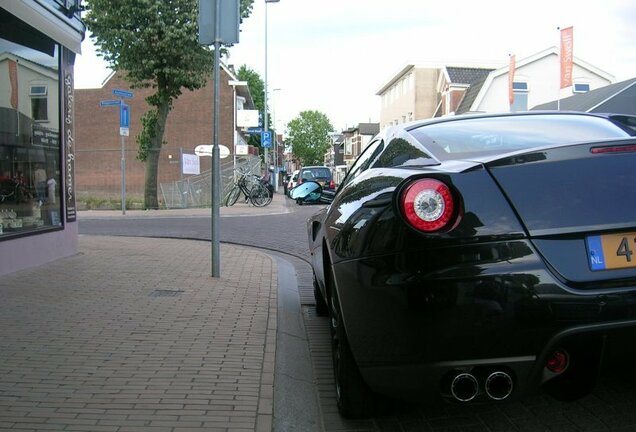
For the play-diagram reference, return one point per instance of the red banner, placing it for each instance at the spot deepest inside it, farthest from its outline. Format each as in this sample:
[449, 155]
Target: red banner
[13, 78]
[567, 55]
[511, 79]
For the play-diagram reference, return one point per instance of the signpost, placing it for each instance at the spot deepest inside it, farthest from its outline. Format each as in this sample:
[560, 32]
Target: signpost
[124, 131]
[218, 25]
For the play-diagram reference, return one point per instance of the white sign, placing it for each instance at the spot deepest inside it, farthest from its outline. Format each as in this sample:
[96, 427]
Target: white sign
[124, 131]
[190, 164]
[242, 149]
[247, 118]
[206, 150]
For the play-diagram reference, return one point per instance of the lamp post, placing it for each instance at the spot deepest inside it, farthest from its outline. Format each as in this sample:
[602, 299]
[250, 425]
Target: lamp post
[265, 120]
[275, 137]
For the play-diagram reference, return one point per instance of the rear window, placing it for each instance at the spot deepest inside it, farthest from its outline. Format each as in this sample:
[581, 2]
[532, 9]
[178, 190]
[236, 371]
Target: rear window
[494, 135]
[316, 173]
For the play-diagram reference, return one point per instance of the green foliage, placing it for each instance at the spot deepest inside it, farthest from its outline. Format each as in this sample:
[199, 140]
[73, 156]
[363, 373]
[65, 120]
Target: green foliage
[255, 84]
[155, 44]
[308, 136]
[257, 90]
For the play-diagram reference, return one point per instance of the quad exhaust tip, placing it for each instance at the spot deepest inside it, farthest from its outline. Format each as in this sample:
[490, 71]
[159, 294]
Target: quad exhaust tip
[498, 386]
[464, 387]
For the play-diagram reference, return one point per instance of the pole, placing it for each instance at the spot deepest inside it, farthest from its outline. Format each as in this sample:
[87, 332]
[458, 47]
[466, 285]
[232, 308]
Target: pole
[123, 176]
[265, 120]
[215, 175]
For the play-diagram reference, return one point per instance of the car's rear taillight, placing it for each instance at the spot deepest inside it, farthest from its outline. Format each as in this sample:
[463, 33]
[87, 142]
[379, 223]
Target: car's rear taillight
[428, 205]
[332, 184]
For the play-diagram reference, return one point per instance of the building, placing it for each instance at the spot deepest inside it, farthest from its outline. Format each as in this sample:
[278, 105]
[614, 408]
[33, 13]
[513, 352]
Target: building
[536, 81]
[416, 92]
[39, 40]
[409, 95]
[356, 139]
[617, 98]
[189, 125]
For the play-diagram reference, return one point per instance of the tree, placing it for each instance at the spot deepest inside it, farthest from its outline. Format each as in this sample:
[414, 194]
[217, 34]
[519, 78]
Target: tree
[308, 136]
[155, 44]
[257, 90]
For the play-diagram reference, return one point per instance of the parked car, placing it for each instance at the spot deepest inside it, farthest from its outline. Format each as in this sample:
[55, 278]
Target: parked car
[320, 174]
[293, 181]
[480, 258]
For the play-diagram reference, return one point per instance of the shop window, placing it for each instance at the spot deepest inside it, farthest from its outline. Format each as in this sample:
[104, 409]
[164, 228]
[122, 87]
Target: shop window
[30, 152]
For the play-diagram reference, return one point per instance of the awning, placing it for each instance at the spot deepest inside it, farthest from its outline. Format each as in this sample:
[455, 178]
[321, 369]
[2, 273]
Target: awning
[53, 23]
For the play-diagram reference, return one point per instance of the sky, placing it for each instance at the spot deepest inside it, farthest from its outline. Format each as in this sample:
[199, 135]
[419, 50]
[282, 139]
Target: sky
[333, 56]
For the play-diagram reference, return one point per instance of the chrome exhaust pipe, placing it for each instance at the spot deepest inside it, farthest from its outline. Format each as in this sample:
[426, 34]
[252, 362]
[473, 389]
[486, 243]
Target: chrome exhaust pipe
[498, 385]
[464, 387]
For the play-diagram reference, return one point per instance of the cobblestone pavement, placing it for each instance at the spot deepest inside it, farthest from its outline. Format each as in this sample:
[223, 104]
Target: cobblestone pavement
[134, 335]
[611, 407]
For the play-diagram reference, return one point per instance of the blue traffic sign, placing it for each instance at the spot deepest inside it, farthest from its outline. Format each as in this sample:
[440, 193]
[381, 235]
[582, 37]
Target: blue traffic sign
[124, 116]
[123, 93]
[110, 102]
[254, 129]
[266, 139]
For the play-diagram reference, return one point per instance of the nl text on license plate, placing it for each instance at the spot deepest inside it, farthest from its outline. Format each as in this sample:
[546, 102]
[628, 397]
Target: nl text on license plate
[611, 251]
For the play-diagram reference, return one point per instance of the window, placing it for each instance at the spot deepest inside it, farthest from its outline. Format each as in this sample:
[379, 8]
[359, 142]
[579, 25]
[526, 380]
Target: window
[39, 109]
[581, 88]
[30, 144]
[520, 90]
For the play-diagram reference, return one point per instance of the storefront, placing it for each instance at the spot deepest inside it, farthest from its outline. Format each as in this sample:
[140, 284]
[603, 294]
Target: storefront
[38, 43]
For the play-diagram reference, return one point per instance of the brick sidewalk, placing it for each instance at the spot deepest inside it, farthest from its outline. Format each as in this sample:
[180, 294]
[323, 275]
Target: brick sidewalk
[133, 334]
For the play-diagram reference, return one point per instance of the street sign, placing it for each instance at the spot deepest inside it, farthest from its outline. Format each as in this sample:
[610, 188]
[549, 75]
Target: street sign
[254, 130]
[266, 139]
[109, 102]
[124, 131]
[228, 30]
[124, 116]
[123, 93]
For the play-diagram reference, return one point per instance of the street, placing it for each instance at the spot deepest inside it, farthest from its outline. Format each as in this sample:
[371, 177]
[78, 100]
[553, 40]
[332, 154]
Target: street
[611, 407]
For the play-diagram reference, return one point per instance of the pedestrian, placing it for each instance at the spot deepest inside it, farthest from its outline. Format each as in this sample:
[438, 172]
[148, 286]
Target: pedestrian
[51, 183]
[39, 179]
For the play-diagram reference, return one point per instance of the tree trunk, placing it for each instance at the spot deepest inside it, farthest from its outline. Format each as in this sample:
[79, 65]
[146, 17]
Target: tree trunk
[152, 161]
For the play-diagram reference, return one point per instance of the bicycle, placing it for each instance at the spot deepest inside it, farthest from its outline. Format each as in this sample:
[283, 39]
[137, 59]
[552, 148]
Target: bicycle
[12, 190]
[252, 188]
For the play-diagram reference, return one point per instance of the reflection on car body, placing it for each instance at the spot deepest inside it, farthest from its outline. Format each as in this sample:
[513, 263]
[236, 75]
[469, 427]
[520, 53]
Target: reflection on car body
[480, 258]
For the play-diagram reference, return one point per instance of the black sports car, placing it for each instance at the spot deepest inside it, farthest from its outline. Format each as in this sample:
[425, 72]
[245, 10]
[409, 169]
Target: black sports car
[480, 258]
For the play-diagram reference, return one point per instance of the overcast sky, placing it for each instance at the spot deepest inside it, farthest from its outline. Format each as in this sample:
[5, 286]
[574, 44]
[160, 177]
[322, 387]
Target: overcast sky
[334, 55]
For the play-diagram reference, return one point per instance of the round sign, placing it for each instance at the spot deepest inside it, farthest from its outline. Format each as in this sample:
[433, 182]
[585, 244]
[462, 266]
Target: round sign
[206, 150]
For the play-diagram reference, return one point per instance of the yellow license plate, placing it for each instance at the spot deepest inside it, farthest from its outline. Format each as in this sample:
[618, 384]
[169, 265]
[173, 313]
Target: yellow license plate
[611, 251]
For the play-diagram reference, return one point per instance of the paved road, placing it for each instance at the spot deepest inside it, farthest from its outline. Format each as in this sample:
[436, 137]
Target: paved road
[612, 407]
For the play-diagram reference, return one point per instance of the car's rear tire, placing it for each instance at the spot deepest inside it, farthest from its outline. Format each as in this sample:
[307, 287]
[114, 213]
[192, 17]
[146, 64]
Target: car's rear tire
[354, 398]
[321, 304]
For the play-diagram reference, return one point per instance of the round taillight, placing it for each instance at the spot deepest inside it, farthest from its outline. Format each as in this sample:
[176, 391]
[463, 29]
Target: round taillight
[428, 205]
[558, 362]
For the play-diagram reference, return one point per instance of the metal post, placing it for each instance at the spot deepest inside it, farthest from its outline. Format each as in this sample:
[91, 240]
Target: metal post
[215, 175]
[265, 120]
[123, 176]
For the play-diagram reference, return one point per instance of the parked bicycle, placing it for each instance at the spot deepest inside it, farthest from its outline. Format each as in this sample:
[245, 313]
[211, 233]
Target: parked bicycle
[252, 188]
[13, 191]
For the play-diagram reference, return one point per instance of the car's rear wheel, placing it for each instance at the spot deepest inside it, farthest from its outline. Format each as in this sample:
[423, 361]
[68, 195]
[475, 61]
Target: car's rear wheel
[321, 303]
[354, 398]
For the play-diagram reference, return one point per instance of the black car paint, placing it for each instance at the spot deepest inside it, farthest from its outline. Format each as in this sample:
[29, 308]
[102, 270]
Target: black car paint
[487, 292]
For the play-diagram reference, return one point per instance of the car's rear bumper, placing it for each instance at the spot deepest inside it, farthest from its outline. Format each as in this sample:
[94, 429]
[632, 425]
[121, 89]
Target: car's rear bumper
[409, 330]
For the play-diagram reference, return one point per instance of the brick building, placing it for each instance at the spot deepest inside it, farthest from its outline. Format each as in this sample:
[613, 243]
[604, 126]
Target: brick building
[189, 124]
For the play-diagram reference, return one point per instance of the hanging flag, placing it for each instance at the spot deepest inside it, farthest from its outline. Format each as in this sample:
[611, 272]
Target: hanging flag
[511, 79]
[13, 78]
[566, 56]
